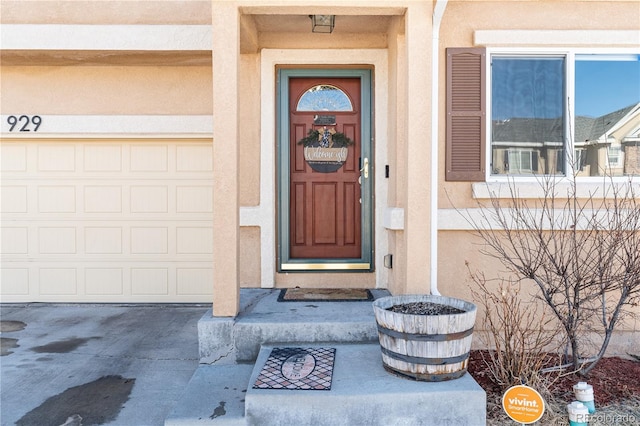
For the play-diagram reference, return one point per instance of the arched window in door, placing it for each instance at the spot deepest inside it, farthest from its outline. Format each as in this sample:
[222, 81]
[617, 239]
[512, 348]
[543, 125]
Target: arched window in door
[324, 97]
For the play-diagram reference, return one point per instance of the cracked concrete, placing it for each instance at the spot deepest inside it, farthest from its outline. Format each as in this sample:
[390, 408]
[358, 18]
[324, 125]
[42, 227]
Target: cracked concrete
[66, 349]
[263, 318]
[226, 356]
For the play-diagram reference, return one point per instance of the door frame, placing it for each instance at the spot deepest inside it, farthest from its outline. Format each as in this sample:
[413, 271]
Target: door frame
[284, 262]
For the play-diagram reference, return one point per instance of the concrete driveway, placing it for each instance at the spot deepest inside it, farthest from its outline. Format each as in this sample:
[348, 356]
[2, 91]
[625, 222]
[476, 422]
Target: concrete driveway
[95, 364]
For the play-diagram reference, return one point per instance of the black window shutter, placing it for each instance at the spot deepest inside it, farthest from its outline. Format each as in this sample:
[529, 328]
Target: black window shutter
[466, 115]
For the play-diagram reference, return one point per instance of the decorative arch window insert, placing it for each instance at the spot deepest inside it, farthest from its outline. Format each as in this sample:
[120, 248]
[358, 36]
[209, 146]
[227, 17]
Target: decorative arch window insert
[324, 97]
[553, 113]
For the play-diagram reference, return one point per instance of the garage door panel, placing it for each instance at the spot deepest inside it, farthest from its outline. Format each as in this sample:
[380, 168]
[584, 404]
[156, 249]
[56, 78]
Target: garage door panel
[107, 221]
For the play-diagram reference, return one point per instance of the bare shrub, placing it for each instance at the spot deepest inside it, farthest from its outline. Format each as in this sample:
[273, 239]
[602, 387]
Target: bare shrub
[581, 251]
[521, 336]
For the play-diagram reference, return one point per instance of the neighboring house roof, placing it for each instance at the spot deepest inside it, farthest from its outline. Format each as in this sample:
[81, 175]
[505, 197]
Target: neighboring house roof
[528, 130]
[590, 129]
[545, 130]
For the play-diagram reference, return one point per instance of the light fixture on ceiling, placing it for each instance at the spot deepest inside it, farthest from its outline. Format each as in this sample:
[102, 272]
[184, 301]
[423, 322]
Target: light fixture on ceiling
[322, 23]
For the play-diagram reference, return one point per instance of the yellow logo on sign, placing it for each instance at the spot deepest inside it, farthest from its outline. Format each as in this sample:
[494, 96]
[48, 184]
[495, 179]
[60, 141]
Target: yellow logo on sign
[523, 404]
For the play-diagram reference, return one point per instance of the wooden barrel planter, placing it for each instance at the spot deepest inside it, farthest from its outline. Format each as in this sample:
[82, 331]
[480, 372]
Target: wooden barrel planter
[429, 347]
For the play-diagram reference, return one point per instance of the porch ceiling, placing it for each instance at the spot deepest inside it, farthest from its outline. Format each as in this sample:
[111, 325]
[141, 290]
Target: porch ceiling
[367, 29]
[345, 24]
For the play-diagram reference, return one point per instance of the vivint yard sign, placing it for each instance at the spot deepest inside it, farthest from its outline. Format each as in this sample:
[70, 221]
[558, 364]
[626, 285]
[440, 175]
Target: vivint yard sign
[523, 404]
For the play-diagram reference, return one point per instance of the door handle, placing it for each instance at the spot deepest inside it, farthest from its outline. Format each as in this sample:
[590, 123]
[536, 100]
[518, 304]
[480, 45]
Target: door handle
[365, 168]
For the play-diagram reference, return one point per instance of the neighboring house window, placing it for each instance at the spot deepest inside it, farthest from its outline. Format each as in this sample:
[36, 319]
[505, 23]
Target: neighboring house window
[521, 161]
[579, 159]
[614, 153]
[550, 113]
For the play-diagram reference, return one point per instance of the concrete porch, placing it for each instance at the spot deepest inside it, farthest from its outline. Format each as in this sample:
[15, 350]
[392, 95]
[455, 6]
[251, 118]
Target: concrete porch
[234, 350]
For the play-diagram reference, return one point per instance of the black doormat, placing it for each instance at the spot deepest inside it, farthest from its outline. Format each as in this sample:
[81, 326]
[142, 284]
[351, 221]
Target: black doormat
[325, 295]
[297, 369]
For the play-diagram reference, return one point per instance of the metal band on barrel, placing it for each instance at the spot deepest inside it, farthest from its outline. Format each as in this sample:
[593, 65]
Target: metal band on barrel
[425, 337]
[424, 360]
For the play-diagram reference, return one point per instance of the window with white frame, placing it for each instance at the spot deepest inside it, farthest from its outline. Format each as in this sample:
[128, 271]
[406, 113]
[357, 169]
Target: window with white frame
[527, 112]
[614, 154]
[566, 112]
[521, 160]
[579, 159]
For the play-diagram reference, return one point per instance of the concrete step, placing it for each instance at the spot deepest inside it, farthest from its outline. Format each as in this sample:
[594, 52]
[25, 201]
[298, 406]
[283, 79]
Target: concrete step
[215, 395]
[265, 320]
[362, 393]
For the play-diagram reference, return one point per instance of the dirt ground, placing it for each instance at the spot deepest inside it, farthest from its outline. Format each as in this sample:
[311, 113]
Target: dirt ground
[616, 388]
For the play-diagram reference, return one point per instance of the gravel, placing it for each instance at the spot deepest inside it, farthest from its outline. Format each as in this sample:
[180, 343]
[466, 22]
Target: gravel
[425, 308]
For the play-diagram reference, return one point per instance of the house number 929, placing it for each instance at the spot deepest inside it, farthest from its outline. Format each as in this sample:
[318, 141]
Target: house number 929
[24, 123]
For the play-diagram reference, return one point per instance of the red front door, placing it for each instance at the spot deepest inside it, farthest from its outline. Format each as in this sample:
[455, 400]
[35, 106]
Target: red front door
[325, 205]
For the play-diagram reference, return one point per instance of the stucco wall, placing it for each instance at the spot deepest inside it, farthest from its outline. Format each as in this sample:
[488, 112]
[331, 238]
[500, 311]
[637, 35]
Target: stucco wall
[461, 21]
[106, 12]
[463, 18]
[250, 257]
[108, 90]
[249, 130]
[396, 141]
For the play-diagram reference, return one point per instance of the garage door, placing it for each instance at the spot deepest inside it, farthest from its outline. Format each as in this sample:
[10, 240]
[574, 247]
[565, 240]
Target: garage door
[107, 220]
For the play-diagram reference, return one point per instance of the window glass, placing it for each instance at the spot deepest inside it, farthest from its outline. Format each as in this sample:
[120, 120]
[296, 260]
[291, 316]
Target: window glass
[607, 123]
[527, 115]
[324, 98]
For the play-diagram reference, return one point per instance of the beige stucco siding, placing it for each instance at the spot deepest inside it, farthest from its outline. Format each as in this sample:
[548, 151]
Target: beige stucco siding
[462, 19]
[124, 12]
[461, 23]
[108, 90]
[249, 130]
[250, 257]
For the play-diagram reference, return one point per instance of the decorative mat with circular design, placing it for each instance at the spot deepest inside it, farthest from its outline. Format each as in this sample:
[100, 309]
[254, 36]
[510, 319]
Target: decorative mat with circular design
[297, 369]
